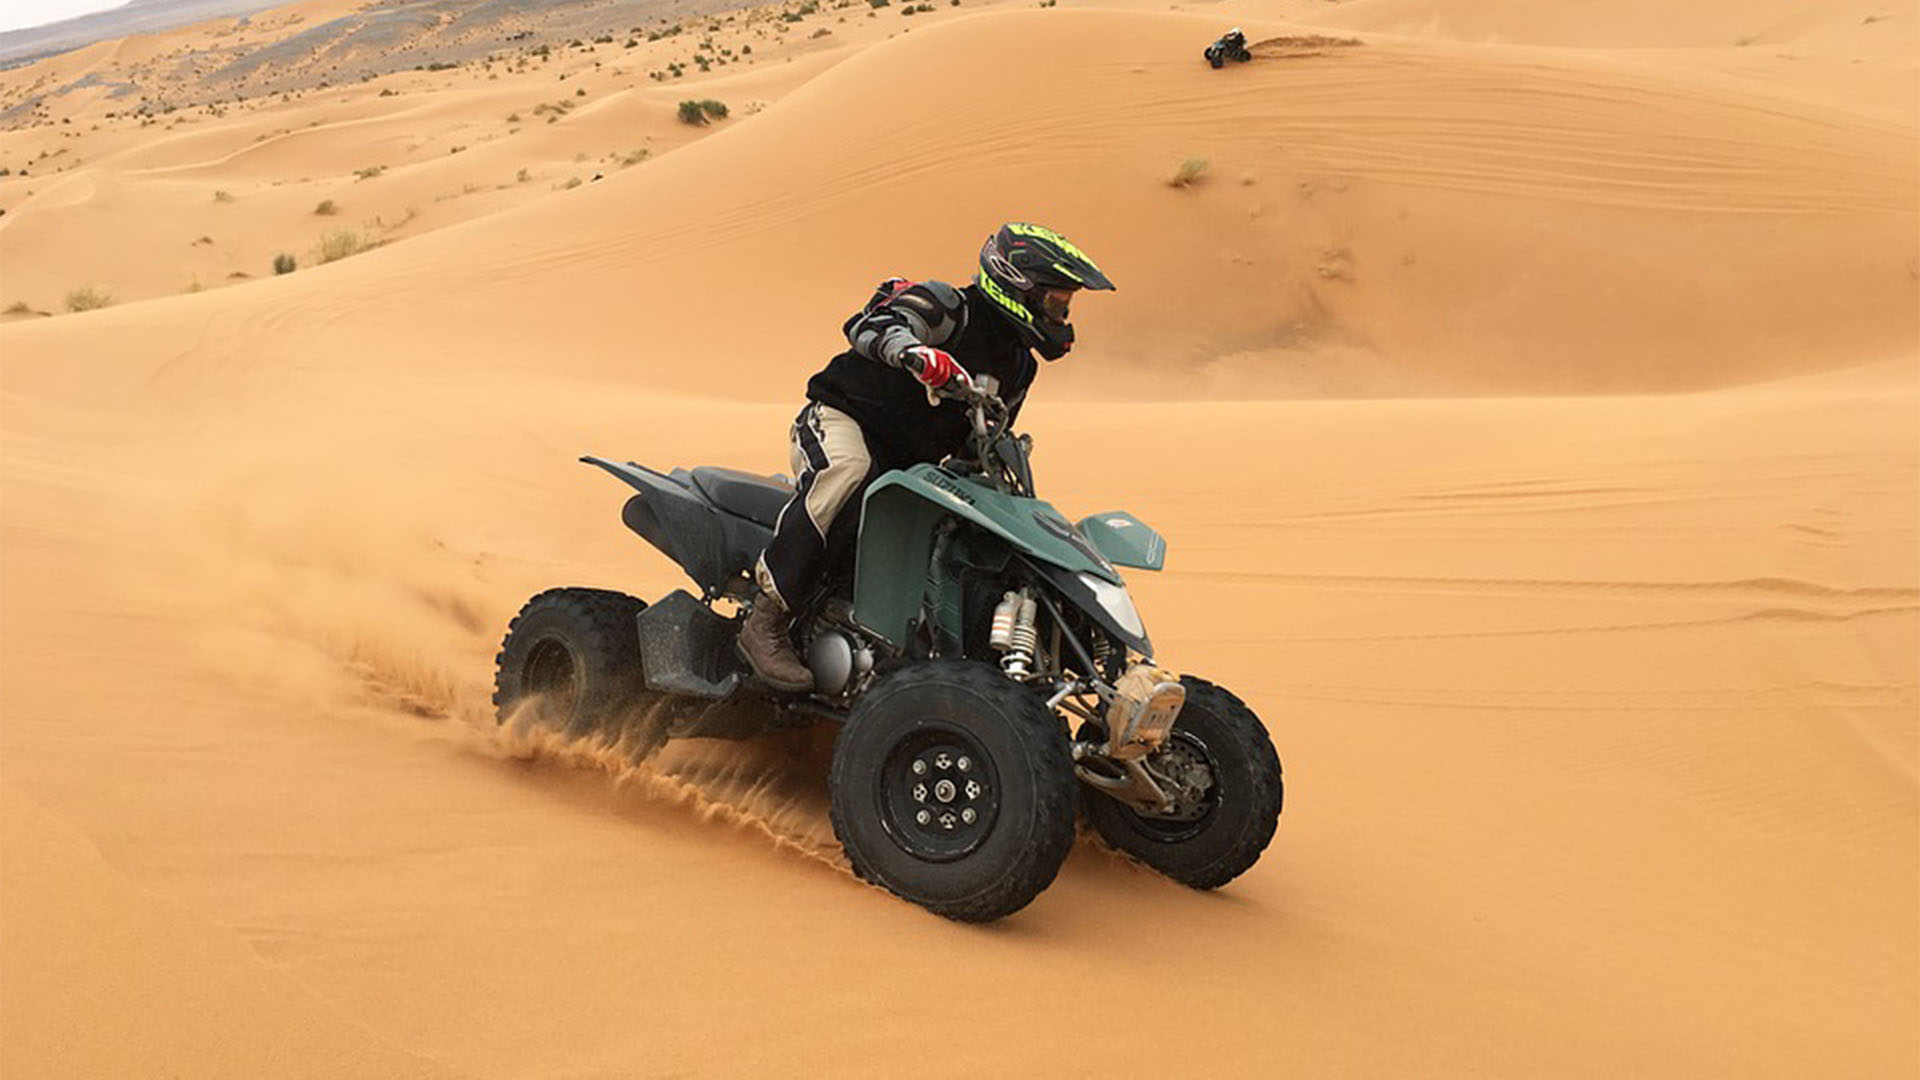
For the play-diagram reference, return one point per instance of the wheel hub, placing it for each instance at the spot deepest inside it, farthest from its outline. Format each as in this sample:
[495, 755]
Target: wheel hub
[938, 799]
[1183, 767]
[552, 674]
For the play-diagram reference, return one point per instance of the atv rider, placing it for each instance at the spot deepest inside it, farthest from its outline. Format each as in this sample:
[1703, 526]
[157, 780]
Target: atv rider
[1230, 46]
[876, 407]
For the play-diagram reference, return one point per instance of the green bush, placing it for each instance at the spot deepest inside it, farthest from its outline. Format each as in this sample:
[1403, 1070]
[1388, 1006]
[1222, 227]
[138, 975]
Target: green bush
[284, 263]
[88, 298]
[699, 112]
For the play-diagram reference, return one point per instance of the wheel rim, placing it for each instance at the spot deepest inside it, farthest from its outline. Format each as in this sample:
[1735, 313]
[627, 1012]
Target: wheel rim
[1186, 760]
[939, 794]
[552, 677]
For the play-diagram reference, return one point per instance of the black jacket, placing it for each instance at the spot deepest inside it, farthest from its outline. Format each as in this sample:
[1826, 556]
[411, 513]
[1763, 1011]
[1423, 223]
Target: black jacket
[868, 383]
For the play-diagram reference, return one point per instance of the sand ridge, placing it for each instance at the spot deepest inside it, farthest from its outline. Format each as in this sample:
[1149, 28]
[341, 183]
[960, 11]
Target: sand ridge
[1526, 399]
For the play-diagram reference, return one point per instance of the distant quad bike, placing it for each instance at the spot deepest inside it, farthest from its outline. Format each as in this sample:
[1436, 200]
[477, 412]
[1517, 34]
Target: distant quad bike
[972, 627]
[1231, 46]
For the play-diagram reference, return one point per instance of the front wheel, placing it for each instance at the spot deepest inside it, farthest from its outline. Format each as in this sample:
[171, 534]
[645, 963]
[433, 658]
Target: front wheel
[953, 787]
[1222, 765]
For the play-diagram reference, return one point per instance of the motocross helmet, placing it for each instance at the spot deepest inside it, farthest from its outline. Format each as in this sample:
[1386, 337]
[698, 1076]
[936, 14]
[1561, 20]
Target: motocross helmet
[1029, 274]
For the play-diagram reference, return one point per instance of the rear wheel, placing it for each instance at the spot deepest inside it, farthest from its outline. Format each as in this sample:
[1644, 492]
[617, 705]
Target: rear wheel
[570, 661]
[1222, 769]
[953, 787]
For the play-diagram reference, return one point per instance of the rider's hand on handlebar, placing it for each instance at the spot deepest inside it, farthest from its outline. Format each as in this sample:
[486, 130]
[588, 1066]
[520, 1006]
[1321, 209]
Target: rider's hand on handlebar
[935, 368]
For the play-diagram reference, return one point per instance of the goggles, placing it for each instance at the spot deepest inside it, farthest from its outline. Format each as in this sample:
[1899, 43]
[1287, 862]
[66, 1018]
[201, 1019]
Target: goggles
[1052, 303]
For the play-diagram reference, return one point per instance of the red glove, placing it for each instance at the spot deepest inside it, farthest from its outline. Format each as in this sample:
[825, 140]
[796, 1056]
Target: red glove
[935, 368]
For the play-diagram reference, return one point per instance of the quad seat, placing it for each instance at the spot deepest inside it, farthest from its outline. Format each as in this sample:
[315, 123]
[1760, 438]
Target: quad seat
[757, 498]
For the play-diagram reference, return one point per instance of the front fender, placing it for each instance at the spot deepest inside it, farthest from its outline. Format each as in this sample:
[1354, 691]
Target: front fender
[1125, 540]
[899, 520]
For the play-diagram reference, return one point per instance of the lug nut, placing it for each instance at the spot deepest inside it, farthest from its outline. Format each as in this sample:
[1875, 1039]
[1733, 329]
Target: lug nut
[923, 817]
[919, 767]
[968, 815]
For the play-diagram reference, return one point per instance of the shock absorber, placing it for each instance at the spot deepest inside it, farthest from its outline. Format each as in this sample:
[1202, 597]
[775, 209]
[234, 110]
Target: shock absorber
[1102, 654]
[1014, 634]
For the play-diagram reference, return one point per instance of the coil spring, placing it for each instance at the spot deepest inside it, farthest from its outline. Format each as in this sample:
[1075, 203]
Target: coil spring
[1102, 653]
[1023, 638]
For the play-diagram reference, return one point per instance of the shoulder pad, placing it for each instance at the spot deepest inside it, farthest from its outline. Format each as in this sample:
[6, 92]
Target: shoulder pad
[931, 300]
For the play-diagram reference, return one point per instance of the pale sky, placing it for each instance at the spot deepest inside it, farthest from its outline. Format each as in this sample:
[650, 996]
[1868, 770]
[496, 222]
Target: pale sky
[20, 14]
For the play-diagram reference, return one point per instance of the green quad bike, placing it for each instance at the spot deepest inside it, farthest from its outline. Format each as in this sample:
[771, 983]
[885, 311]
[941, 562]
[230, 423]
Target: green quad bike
[981, 654]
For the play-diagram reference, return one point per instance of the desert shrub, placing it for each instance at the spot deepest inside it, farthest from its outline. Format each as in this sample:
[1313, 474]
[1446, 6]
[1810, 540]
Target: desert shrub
[701, 111]
[369, 172]
[18, 307]
[338, 245]
[285, 263]
[327, 208]
[523, 176]
[880, 3]
[223, 196]
[1188, 172]
[88, 298]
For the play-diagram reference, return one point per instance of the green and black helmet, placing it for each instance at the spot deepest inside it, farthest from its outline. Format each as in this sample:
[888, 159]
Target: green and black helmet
[1030, 274]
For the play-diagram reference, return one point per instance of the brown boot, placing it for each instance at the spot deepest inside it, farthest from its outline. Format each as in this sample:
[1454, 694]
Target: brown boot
[765, 647]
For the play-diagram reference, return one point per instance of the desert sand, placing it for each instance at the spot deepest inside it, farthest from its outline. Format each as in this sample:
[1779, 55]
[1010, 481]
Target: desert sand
[1530, 399]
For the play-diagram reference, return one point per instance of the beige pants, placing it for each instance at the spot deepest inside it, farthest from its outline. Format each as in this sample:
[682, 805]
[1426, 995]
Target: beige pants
[830, 467]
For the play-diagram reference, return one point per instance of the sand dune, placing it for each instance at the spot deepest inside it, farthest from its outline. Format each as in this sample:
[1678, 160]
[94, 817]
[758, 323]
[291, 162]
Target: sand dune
[1527, 398]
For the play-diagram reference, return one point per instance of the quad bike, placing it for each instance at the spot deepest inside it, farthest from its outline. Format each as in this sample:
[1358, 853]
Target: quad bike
[1232, 46]
[982, 657]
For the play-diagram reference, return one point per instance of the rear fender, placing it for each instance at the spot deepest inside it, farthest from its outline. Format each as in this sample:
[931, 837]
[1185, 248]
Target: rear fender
[669, 513]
